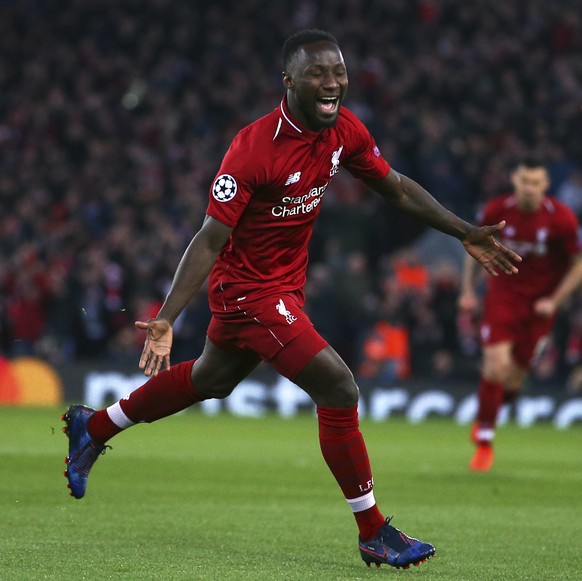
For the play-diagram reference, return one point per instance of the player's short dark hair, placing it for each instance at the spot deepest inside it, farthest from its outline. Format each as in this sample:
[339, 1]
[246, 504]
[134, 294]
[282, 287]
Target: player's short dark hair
[292, 45]
[533, 161]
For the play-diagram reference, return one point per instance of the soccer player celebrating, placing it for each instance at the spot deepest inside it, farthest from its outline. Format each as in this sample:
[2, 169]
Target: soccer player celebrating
[253, 244]
[519, 311]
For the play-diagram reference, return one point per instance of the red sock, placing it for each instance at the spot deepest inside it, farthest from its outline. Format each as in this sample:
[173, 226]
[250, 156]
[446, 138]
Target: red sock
[490, 396]
[344, 451]
[169, 392]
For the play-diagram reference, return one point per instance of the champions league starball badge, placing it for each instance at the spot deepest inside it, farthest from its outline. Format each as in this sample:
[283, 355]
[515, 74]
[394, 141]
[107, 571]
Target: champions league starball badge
[224, 188]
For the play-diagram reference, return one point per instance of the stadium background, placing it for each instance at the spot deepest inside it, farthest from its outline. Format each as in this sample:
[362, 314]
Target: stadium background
[114, 117]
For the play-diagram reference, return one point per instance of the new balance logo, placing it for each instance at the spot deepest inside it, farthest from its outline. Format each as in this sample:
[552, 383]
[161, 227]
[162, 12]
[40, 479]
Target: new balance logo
[282, 310]
[293, 178]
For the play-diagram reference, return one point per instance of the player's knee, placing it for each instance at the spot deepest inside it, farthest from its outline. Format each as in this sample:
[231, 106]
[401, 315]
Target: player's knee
[214, 382]
[514, 381]
[497, 370]
[222, 392]
[345, 394]
[216, 390]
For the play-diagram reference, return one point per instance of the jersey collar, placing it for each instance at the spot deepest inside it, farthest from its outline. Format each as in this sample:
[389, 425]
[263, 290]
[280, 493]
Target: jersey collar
[290, 126]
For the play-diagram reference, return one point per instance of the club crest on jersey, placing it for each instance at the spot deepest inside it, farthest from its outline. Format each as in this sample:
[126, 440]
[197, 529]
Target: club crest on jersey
[335, 160]
[282, 310]
[224, 188]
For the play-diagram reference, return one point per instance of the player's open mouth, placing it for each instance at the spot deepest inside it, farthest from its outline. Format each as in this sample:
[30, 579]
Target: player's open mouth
[328, 105]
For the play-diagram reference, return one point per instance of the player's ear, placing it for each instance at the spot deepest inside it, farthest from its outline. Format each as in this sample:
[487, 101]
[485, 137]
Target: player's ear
[287, 80]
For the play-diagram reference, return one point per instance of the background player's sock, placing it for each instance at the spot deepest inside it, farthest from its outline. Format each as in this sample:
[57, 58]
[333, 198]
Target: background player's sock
[169, 392]
[490, 396]
[344, 451]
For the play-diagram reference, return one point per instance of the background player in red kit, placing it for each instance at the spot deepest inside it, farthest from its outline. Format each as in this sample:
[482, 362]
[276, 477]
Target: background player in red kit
[253, 243]
[519, 311]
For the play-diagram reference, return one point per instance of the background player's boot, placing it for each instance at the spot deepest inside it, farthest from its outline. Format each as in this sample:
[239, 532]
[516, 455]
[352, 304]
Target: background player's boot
[392, 547]
[483, 457]
[482, 460]
[83, 451]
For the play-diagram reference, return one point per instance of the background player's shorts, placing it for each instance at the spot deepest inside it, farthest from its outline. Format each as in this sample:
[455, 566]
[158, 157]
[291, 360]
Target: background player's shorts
[514, 320]
[276, 328]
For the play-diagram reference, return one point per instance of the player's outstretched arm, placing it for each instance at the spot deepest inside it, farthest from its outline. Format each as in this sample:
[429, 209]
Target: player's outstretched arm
[409, 197]
[194, 267]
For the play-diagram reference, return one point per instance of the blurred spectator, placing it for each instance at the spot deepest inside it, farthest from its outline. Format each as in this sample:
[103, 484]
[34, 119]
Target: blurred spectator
[426, 337]
[570, 192]
[574, 382]
[26, 316]
[411, 275]
[355, 301]
[386, 353]
[573, 346]
[92, 323]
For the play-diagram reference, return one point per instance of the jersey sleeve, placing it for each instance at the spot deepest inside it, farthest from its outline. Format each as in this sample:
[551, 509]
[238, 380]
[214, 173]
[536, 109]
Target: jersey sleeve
[234, 183]
[364, 160]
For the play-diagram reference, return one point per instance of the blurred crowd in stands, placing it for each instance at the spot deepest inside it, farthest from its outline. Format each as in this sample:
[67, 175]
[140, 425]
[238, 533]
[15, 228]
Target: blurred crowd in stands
[114, 116]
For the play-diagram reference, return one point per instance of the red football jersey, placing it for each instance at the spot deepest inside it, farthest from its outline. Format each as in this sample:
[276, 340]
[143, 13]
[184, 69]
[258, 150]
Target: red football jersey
[269, 189]
[546, 240]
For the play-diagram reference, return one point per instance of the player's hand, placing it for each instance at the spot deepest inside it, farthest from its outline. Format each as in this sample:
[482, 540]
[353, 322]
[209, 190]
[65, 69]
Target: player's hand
[491, 254]
[545, 307]
[468, 302]
[158, 344]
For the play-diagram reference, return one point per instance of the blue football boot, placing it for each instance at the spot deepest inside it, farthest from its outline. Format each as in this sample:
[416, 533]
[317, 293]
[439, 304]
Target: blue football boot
[392, 547]
[83, 451]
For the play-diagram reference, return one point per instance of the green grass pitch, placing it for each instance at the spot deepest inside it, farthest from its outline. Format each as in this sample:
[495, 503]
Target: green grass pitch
[213, 498]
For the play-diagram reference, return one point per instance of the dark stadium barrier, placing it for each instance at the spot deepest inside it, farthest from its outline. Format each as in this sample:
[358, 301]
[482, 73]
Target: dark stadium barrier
[266, 392]
[30, 381]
